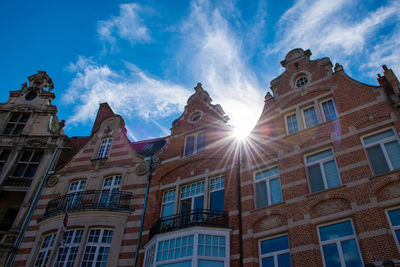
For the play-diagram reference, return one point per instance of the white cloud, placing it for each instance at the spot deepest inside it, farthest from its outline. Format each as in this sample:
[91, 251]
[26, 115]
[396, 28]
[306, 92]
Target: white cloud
[128, 25]
[130, 94]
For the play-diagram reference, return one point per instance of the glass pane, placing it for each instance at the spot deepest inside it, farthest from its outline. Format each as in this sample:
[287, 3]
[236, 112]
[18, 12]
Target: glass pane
[199, 203]
[178, 264]
[331, 255]
[276, 192]
[168, 209]
[189, 146]
[186, 205]
[276, 244]
[377, 159]
[378, 137]
[350, 253]
[268, 262]
[210, 263]
[292, 124]
[261, 194]
[217, 200]
[394, 216]
[310, 117]
[393, 150]
[315, 176]
[337, 230]
[331, 174]
[329, 110]
[267, 173]
[397, 232]
[319, 156]
[284, 260]
[201, 140]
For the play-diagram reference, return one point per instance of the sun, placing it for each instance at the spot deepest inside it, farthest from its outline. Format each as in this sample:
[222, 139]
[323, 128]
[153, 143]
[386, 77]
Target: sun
[241, 133]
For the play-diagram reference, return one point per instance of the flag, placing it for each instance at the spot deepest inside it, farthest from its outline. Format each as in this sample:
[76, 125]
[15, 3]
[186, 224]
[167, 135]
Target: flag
[65, 223]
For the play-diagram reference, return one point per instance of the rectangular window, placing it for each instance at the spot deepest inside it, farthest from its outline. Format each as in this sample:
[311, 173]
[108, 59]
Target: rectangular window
[339, 246]
[16, 123]
[291, 123]
[75, 192]
[268, 187]
[28, 163]
[4, 154]
[97, 248]
[194, 144]
[217, 194]
[329, 110]
[383, 151]
[168, 203]
[322, 170]
[104, 148]
[275, 252]
[110, 193]
[394, 219]
[310, 117]
[192, 197]
[67, 252]
[175, 248]
[45, 250]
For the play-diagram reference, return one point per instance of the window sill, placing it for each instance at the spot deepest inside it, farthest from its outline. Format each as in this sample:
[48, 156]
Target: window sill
[384, 174]
[192, 155]
[99, 159]
[269, 206]
[326, 190]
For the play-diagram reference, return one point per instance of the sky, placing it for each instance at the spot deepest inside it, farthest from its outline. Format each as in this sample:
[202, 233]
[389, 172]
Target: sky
[145, 57]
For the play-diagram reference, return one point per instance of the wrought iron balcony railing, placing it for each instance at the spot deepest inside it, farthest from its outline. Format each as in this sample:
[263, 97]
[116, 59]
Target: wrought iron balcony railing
[92, 199]
[197, 217]
[20, 182]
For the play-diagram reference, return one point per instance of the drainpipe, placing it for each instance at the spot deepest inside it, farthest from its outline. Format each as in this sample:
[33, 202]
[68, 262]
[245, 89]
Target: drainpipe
[22, 231]
[239, 203]
[150, 159]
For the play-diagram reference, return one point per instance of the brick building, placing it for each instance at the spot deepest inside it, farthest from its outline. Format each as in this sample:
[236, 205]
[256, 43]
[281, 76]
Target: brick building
[315, 184]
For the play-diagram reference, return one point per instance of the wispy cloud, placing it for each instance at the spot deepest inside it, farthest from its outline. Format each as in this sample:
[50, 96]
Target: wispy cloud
[128, 25]
[132, 93]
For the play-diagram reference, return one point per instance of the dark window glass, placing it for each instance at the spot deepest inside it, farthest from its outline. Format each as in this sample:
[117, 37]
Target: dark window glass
[217, 200]
[16, 123]
[314, 172]
[28, 163]
[377, 159]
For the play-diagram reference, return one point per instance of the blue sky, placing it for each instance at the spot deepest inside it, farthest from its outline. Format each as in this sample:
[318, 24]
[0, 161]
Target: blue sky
[145, 57]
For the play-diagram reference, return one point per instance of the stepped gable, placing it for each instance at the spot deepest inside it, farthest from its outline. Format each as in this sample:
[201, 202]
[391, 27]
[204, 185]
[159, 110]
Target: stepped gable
[104, 112]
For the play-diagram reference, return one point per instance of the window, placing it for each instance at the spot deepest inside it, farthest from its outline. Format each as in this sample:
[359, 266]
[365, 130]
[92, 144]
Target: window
[110, 193]
[268, 187]
[97, 248]
[383, 151]
[217, 194]
[291, 123]
[275, 252]
[67, 252]
[194, 144]
[192, 197]
[338, 245]
[45, 250]
[75, 192]
[329, 110]
[195, 247]
[322, 170]
[195, 116]
[394, 219]
[28, 163]
[104, 148]
[310, 117]
[301, 81]
[4, 154]
[168, 203]
[16, 123]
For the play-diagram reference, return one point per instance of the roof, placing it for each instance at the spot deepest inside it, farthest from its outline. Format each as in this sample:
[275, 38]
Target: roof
[103, 113]
[75, 143]
[148, 148]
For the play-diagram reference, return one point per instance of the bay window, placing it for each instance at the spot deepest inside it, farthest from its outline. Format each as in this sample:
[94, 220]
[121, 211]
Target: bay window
[97, 248]
[45, 250]
[68, 251]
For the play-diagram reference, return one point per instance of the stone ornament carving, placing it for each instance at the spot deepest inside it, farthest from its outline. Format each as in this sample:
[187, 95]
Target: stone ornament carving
[270, 223]
[36, 143]
[52, 181]
[329, 207]
[141, 169]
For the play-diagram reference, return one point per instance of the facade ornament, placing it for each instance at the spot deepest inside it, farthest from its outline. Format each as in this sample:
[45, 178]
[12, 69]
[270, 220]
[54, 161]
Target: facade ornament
[338, 67]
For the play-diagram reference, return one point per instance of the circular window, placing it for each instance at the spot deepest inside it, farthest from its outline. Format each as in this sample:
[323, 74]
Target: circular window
[31, 95]
[301, 81]
[195, 116]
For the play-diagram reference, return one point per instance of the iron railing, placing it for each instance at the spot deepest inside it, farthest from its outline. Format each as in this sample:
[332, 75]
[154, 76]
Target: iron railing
[17, 181]
[198, 217]
[92, 199]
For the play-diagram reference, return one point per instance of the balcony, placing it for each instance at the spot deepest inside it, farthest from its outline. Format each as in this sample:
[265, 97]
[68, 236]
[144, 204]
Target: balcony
[92, 199]
[17, 182]
[211, 218]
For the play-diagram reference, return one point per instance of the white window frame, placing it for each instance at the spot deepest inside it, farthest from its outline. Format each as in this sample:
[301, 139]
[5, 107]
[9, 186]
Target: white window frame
[393, 228]
[381, 144]
[195, 151]
[192, 197]
[98, 244]
[322, 109]
[304, 117]
[77, 192]
[164, 201]
[287, 124]
[70, 246]
[275, 253]
[196, 231]
[104, 148]
[110, 192]
[337, 241]
[320, 162]
[45, 250]
[267, 182]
